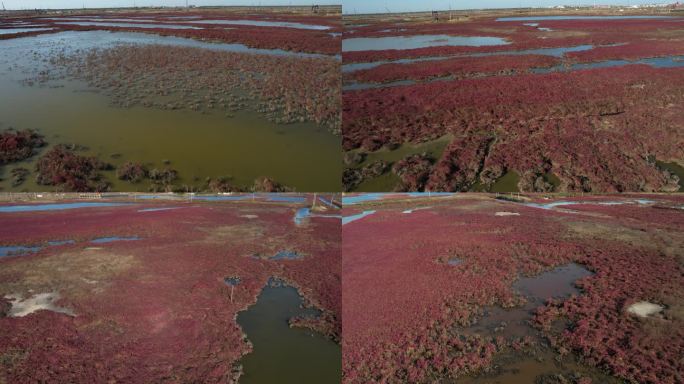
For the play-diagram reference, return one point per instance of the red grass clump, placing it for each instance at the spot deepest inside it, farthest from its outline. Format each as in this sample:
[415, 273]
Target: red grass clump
[565, 33]
[459, 68]
[284, 89]
[18, 145]
[597, 130]
[631, 51]
[62, 167]
[132, 172]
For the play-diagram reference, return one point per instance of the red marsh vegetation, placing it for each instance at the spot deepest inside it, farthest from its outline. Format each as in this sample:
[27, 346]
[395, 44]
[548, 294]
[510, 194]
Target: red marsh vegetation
[156, 309]
[601, 129]
[564, 33]
[18, 145]
[596, 130]
[406, 312]
[291, 39]
[457, 67]
[284, 89]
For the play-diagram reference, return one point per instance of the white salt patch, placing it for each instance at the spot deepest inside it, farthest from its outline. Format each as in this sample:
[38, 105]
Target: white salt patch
[250, 216]
[22, 307]
[507, 214]
[644, 309]
[415, 209]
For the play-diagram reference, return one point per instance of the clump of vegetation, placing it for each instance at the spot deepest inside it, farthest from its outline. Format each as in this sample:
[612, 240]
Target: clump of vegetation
[457, 68]
[69, 171]
[283, 89]
[132, 172]
[162, 179]
[414, 171]
[18, 145]
[352, 177]
[354, 158]
[221, 184]
[19, 176]
[265, 184]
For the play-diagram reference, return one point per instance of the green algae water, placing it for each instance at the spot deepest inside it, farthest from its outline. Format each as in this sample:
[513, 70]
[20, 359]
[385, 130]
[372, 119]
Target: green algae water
[198, 145]
[282, 354]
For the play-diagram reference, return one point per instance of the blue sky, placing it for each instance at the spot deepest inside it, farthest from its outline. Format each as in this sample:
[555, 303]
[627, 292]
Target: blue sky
[54, 4]
[376, 6]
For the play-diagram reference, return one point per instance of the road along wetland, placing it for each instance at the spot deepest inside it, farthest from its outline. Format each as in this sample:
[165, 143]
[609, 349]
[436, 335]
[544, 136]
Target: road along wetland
[477, 101]
[141, 105]
[164, 288]
[480, 288]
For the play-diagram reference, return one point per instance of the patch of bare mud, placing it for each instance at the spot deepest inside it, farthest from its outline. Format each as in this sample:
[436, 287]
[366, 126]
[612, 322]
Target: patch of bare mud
[669, 243]
[73, 273]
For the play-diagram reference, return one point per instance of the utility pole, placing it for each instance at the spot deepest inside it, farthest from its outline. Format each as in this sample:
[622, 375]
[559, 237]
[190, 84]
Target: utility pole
[3, 6]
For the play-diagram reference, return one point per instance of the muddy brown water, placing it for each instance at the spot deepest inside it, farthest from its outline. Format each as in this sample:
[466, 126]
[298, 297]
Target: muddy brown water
[282, 354]
[198, 145]
[541, 364]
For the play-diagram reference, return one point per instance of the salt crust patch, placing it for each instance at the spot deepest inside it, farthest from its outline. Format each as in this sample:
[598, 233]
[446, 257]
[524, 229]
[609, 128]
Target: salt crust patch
[42, 301]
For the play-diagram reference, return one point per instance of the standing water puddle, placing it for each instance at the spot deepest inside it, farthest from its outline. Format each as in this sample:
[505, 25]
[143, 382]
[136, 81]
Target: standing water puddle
[557, 283]
[127, 25]
[301, 215]
[288, 199]
[258, 23]
[349, 219]
[555, 52]
[103, 240]
[18, 250]
[541, 18]
[158, 209]
[418, 41]
[564, 203]
[282, 354]
[8, 31]
[54, 207]
[286, 255]
[22, 250]
[656, 62]
[541, 363]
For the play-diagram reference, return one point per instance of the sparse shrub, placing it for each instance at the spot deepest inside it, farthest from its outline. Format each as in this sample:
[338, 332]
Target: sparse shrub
[162, 179]
[18, 145]
[65, 169]
[132, 172]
